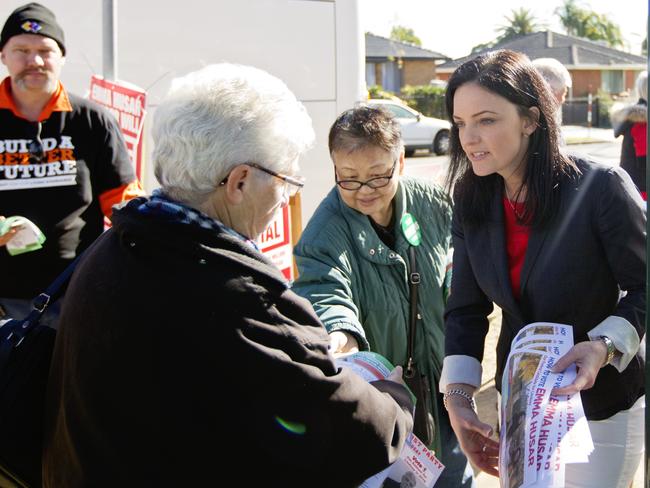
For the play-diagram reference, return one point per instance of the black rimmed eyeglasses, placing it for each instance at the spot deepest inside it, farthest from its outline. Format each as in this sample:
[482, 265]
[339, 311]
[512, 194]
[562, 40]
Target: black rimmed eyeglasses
[374, 183]
[36, 148]
[293, 183]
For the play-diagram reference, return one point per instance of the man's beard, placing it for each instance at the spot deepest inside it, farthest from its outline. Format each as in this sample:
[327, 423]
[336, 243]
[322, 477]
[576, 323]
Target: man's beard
[49, 84]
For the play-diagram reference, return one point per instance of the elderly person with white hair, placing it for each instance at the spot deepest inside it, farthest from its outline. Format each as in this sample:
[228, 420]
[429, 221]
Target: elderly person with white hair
[556, 75]
[559, 80]
[182, 352]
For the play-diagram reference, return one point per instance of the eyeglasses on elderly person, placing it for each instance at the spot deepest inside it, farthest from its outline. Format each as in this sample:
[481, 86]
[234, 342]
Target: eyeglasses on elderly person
[374, 183]
[293, 183]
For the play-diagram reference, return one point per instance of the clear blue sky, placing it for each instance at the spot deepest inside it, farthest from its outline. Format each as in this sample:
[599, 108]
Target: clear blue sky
[453, 27]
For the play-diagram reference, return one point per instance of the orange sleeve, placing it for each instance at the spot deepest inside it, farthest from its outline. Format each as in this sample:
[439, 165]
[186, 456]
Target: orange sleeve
[119, 195]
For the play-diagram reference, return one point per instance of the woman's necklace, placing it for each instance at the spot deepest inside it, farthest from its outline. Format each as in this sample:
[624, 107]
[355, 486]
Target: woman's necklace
[513, 206]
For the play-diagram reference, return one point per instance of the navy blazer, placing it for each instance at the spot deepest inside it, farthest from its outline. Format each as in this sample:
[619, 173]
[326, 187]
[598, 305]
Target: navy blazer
[574, 272]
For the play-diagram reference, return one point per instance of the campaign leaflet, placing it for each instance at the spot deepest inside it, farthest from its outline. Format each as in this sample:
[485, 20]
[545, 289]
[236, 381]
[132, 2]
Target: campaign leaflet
[417, 465]
[540, 432]
[528, 393]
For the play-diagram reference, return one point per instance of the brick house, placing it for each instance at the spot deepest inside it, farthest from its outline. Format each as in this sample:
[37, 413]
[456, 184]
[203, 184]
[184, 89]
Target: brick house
[394, 64]
[592, 65]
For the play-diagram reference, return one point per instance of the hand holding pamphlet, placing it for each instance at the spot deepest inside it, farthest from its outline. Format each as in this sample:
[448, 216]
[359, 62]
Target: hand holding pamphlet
[28, 238]
[416, 463]
[540, 432]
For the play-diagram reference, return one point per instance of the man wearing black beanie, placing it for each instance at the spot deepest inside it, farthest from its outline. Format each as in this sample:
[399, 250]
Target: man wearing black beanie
[63, 160]
[33, 18]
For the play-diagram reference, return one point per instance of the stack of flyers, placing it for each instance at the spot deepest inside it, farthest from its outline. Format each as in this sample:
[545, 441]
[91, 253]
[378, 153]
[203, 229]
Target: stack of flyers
[416, 466]
[540, 432]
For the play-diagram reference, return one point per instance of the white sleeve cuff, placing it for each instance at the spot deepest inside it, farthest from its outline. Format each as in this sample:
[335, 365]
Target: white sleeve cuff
[460, 369]
[622, 334]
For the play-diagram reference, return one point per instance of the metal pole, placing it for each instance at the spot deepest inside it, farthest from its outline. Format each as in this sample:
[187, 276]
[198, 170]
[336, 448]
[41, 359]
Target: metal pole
[589, 118]
[647, 254]
[110, 39]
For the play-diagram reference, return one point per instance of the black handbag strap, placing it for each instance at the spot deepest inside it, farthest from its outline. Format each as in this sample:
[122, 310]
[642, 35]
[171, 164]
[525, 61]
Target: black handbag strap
[52, 292]
[414, 281]
[19, 328]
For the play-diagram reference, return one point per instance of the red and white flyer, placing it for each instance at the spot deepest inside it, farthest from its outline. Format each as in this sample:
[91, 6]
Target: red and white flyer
[417, 466]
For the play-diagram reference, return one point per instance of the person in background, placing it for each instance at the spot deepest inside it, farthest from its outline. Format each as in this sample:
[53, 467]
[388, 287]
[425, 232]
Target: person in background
[559, 79]
[182, 352]
[548, 238]
[63, 163]
[631, 122]
[557, 76]
[354, 262]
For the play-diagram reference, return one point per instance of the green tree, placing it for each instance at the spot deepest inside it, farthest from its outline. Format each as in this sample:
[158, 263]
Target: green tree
[644, 46]
[520, 22]
[404, 34]
[480, 47]
[571, 17]
[582, 22]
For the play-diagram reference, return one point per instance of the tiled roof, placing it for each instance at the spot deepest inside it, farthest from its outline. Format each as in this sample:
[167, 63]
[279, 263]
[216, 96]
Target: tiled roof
[381, 48]
[572, 52]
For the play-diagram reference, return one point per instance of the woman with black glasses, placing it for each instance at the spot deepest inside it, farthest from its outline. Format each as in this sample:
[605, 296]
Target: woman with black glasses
[375, 233]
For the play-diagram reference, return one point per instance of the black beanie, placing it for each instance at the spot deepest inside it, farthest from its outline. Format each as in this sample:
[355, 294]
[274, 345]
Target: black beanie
[33, 18]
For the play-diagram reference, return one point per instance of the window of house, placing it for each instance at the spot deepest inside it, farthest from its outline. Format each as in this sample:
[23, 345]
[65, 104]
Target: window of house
[391, 79]
[613, 81]
[371, 78]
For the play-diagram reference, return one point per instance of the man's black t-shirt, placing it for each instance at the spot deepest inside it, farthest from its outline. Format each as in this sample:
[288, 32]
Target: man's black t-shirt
[85, 156]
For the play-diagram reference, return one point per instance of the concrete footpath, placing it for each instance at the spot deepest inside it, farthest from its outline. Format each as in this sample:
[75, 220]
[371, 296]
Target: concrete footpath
[576, 134]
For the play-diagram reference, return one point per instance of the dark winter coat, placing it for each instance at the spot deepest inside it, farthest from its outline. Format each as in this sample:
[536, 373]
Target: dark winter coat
[183, 358]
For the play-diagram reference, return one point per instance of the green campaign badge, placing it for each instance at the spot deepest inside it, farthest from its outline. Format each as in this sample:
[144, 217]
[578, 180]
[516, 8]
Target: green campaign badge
[411, 229]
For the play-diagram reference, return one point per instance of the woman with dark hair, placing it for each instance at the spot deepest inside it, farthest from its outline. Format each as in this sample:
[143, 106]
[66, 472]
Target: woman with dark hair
[547, 237]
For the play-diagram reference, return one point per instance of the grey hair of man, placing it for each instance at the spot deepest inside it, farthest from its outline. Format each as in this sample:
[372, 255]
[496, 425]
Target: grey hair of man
[641, 85]
[364, 126]
[555, 74]
[219, 117]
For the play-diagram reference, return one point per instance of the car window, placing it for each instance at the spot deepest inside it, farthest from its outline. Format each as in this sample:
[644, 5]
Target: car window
[400, 112]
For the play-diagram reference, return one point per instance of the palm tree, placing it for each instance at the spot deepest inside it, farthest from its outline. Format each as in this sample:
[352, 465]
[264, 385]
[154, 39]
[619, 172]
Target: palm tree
[580, 22]
[520, 22]
[571, 17]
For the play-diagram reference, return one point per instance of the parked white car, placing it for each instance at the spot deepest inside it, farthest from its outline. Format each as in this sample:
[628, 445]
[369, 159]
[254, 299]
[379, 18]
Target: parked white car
[418, 131]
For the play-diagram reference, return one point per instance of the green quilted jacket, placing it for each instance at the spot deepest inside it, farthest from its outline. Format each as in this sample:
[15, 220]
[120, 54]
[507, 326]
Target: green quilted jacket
[358, 285]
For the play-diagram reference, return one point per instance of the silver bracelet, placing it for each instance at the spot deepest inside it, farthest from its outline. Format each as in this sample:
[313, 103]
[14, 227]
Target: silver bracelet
[461, 393]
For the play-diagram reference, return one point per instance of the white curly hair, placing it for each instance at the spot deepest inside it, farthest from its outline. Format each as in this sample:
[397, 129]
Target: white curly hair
[220, 116]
